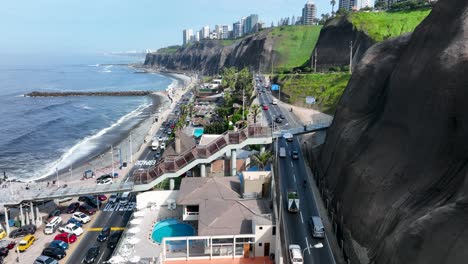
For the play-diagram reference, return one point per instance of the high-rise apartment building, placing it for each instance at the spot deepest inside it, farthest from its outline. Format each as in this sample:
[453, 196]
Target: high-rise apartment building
[243, 21]
[358, 4]
[237, 30]
[205, 32]
[187, 36]
[225, 32]
[250, 23]
[309, 13]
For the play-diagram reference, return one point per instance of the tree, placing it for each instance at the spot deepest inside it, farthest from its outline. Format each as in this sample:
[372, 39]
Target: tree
[261, 159]
[324, 19]
[229, 77]
[255, 110]
[333, 3]
[224, 112]
[190, 109]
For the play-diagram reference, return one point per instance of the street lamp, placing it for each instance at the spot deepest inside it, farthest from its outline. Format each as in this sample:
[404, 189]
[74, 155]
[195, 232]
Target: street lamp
[316, 246]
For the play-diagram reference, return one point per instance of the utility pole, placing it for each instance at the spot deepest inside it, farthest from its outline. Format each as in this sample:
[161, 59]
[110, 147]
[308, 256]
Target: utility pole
[351, 57]
[131, 150]
[315, 60]
[112, 154]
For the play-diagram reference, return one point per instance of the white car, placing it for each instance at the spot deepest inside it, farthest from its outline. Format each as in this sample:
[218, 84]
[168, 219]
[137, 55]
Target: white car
[295, 253]
[82, 217]
[288, 136]
[163, 145]
[105, 181]
[113, 198]
[72, 229]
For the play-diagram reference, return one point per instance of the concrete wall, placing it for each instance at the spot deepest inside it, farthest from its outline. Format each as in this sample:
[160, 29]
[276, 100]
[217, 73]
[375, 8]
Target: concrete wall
[263, 234]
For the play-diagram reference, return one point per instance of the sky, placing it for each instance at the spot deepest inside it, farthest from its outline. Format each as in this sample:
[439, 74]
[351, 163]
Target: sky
[97, 26]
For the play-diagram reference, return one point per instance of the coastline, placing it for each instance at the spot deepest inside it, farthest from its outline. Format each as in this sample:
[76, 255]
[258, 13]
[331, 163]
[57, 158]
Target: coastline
[141, 134]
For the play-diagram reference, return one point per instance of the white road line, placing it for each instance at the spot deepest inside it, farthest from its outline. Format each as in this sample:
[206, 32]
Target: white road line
[294, 175]
[302, 219]
[307, 244]
[292, 165]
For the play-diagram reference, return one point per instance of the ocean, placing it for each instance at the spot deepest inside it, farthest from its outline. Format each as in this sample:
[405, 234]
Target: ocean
[40, 135]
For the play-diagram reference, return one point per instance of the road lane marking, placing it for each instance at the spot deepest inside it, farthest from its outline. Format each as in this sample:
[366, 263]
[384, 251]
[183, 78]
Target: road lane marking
[292, 165]
[307, 244]
[302, 219]
[98, 229]
[294, 175]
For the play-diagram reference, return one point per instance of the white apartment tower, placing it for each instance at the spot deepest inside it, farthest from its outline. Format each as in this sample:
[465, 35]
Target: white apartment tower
[309, 13]
[187, 36]
[205, 32]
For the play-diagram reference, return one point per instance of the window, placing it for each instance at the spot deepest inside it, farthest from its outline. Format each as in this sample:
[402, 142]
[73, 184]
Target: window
[259, 244]
[274, 231]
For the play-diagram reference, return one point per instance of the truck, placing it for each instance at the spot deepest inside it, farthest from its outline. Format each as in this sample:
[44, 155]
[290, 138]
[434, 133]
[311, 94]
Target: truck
[282, 153]
[293, 201]
[155, 145]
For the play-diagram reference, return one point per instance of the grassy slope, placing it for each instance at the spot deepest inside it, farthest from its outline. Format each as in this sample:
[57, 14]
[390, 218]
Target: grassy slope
[383, 25]
[326, 88]
[294, 44]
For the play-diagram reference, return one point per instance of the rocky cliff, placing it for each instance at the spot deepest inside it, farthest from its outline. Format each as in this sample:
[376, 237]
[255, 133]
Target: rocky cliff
[209, 57]
[333, 46]
[395, 161]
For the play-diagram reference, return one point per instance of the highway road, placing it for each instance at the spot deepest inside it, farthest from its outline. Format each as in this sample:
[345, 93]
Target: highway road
[113, 218]
[292, 176]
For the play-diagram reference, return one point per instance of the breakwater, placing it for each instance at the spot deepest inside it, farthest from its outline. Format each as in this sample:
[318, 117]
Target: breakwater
[63, 94]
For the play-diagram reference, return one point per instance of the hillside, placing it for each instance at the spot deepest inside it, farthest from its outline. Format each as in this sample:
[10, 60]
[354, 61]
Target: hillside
[363, 29]
[394, 166]
[281, 47]
[326, 88]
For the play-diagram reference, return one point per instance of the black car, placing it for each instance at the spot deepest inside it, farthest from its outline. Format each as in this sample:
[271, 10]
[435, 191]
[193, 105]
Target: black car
[104, 234]
[73, 207]
[23, 231]
[56, 212]
[113, 240]
[282, 116]
[279, 120]
[93, 202]
[91, 255]
[4, 251]
[54, 252]
[104, 177]
[295, 155]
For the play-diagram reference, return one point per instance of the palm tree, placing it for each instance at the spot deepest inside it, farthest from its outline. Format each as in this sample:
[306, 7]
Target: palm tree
[255, 110]
[190, 109]
[262, 159]
[333, 2]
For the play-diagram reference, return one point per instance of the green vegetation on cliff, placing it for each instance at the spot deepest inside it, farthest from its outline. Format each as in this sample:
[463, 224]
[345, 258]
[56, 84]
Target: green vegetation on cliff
[384, 25]
[294, 44]
[169, 49]
[326, 88]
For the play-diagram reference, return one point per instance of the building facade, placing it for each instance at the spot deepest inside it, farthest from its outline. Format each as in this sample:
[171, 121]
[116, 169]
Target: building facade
[250, 24]
[357, 4]
[309, 13]
[205, 32]
[237, 30]
[187, 36]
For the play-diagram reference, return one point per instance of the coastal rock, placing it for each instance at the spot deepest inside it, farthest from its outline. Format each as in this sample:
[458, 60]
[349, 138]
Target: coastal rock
[210, 56]
[333, 45]
[395, 161]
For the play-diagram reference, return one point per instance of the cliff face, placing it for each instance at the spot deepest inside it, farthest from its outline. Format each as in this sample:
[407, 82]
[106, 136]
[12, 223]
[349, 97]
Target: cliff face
[395, 160]
[333, 46]
[209, 57]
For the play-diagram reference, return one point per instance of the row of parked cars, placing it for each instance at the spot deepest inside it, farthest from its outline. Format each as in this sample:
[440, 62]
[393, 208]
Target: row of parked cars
[71, 230]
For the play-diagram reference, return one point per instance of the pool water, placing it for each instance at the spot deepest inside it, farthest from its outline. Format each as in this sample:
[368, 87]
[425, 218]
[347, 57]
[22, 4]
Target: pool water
[198, 132]
[171, 228]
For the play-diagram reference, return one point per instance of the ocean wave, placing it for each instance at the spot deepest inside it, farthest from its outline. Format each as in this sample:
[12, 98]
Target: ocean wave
[46, 108]
[106, 71]
[29, 134]
[87, 145]
[93, 65]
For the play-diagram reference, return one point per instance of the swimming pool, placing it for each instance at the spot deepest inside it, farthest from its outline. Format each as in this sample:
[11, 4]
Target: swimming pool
[198, 132]
[171, 228]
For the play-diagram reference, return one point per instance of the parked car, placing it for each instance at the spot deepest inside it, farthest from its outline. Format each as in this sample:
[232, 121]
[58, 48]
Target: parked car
[104, 234]
[282, 116]
[87, 209]
[26, 242]
[73, 207]
[23, 231]
[59, 244]
[279, 120]
[54, 252]
[103, 177]
[113, 198]
[45, 260]
[91, 255]
[3, 234]
[93, 203]
[105, 181]
[67, 238]
[82, 217]
[113, 240]
[295, 154]
[71, 229]
[54, 213]
[4, 251]
[74, 221]
[163, 145]
[9, 244]
[102, 197]
[265, 107]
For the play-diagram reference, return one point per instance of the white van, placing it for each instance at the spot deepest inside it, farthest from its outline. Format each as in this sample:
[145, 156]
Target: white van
[124, 198]
[53, 225]
[275, 102]
[316, 227]
[282, 153]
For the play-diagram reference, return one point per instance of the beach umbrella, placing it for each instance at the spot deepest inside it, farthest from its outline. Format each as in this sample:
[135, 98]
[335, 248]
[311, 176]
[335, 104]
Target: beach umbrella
[133, 241]
[135, 259]
[117, 259]
[136, 221]
[139, 214]
[134, 230]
